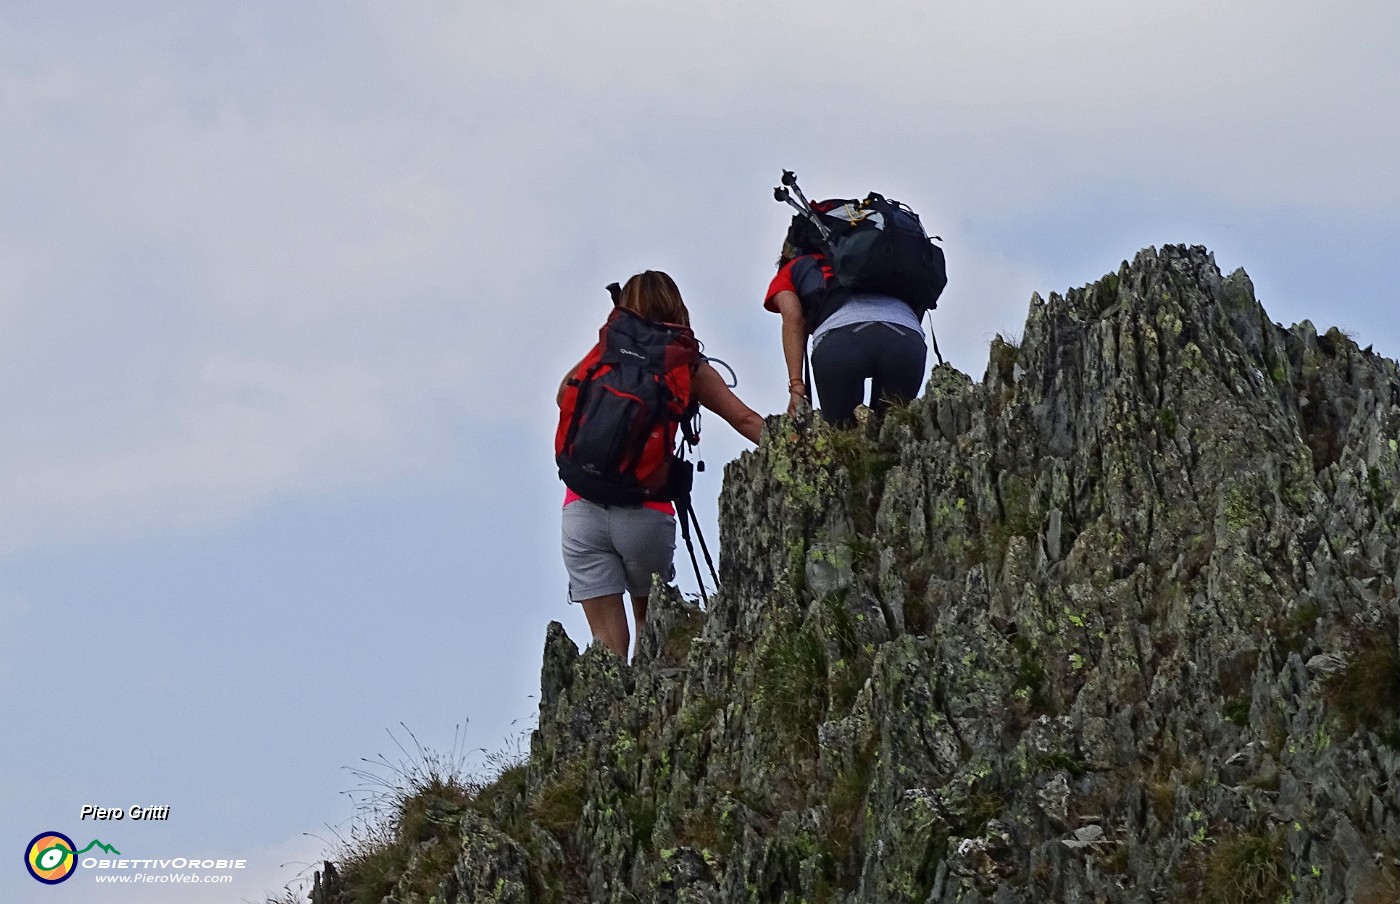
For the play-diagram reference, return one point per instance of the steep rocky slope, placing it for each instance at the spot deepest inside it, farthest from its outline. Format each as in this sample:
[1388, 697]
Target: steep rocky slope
[1117, 623]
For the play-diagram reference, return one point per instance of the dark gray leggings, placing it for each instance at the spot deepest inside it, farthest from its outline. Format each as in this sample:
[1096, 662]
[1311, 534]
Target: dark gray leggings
[891, 357]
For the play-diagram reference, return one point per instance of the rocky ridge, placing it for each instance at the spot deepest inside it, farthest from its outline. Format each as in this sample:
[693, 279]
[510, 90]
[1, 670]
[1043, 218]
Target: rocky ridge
[1116, 624]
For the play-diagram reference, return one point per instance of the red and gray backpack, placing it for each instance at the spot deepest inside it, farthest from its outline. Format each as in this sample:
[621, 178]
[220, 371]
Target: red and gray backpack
[616, 440]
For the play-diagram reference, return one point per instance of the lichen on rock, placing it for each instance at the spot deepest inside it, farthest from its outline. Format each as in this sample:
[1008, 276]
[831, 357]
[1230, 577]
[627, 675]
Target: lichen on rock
[1117, 623]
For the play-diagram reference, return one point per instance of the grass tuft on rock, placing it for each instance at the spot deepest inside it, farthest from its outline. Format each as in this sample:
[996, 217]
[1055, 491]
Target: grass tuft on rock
[1366, 694]
[404, 837]
[1245, 868]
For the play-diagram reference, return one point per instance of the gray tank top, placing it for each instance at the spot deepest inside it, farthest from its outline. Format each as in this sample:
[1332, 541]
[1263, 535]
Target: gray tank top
[869, 309]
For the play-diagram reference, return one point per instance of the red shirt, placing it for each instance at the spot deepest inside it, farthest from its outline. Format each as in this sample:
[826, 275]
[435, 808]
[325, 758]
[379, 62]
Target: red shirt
[665, 508]
[807, 273]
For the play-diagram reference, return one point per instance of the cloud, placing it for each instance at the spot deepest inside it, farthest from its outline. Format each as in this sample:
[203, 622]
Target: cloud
[279, 271]
[16, 610]
[226, 437]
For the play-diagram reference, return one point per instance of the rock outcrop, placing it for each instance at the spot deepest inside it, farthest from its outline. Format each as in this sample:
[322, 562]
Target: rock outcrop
[1117, 623]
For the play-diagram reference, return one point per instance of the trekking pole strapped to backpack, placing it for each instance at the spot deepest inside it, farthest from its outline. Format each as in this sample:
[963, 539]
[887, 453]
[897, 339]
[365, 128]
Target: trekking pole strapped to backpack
[877, 245]
[804, 208]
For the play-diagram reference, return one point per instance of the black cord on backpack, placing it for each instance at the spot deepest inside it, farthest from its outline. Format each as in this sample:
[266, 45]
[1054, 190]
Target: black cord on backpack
[932, 337]
[807, 372]
[732, 375]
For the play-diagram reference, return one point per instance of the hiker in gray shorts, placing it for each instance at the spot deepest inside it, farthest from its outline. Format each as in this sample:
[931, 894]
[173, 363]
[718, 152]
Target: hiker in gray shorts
[612, 549]
[608, 549]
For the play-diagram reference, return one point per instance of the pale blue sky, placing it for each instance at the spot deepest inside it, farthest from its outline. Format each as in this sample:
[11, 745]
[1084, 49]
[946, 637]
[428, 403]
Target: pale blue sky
[285, 290]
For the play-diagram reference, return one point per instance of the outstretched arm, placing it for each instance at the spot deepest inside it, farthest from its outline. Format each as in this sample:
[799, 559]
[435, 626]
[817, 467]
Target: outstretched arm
[709, 390]
[794, 345]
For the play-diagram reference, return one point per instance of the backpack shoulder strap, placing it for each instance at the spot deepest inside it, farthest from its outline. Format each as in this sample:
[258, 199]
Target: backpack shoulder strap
[818, 306]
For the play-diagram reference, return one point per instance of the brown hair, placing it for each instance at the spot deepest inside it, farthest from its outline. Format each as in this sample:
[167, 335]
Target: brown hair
[655, 296]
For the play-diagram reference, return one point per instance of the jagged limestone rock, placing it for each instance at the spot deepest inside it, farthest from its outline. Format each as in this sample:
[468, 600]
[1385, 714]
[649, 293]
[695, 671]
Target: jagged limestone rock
[1116, 624]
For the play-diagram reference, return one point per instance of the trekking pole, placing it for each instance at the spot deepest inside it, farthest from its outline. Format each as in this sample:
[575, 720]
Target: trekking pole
[805, 208]
[781, 194]
[685, 515]
[790, 181]
[709, 563]
[683, 476]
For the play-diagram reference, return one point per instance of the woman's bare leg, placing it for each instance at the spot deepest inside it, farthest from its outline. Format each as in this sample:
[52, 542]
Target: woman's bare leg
[639, 613]
[608, 621]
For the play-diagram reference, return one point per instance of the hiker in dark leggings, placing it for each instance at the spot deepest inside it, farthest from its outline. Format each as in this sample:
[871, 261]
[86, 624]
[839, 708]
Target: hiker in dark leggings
[868, 337]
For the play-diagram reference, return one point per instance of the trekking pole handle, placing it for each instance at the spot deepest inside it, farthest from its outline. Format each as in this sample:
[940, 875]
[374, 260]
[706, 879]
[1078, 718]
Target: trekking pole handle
[781, 195]
[801, 197]
[806, 208]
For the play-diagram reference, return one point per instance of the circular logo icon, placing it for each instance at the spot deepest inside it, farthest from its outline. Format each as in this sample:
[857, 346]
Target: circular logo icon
[49, 857]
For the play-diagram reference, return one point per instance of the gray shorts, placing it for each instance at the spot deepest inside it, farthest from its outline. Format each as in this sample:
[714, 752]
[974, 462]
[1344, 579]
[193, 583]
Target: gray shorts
[609, 549]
